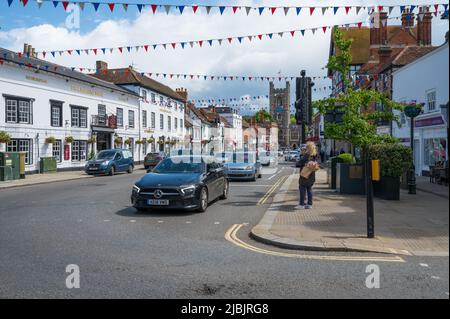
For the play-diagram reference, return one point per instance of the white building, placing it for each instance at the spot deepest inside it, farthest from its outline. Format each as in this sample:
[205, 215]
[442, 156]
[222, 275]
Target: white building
[162, 109]
[425, 80]
[234, 137]
[40, 100]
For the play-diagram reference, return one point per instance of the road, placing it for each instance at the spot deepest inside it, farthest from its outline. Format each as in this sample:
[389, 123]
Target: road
[122, 254]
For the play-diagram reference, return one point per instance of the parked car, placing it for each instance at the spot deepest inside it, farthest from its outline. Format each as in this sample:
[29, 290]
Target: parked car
[152, 159]
[290, 156]
[267, 158]
[109, 162]
[181, 183]
[243, 166]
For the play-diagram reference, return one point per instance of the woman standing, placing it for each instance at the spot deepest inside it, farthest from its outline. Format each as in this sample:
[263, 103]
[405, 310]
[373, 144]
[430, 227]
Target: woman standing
[308, 168]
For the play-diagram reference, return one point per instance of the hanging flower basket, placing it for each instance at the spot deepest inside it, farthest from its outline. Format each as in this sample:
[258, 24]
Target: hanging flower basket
[92, 140]
[50, 140]
[413, 109]
[128, 141]
[160, 142]
[4, 137]
[69, 139]
[118, 141]
[168, 142]
[140, 142]
[173, 142]
[150, 140]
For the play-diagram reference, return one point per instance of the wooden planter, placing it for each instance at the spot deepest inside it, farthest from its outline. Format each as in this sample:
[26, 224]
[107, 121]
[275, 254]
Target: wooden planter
[350, 179]
[387, 188]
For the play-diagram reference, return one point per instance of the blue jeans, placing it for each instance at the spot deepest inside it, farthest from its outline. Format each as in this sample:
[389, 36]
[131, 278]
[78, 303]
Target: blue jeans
[303, 191]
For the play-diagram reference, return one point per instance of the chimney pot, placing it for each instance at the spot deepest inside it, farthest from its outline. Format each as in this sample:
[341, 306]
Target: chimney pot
[101, 66]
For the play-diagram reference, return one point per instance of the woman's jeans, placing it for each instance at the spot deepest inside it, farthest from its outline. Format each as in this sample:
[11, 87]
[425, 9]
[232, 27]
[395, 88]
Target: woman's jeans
[303, 191]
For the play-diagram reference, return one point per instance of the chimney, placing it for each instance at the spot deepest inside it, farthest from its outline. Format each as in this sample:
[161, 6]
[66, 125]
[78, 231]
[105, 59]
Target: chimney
[407, 19]
[101, 66]
[378, 32]
[384, 53]
[33, 52]
[424, 26]
[25, 48]
[182, 92]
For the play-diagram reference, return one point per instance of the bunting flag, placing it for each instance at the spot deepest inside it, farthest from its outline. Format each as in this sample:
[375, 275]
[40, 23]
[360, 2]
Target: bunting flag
[199, 43]
[222, 8]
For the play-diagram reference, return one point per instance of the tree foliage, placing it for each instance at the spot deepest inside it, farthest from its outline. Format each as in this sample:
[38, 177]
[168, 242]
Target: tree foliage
[263, 116]
[359, 120]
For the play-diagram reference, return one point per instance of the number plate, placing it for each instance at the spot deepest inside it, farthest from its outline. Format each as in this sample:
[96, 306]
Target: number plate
[158, 202]
[93, 168]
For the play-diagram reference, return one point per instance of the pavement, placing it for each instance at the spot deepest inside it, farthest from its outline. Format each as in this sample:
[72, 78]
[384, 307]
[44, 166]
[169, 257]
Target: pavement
[414, 225]
[38, 179]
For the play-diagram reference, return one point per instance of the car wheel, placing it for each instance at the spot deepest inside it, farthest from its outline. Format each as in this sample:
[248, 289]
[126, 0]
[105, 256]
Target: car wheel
[260, 175]
[226, 189]
[203, 200]
[112, 171]
[130, 169]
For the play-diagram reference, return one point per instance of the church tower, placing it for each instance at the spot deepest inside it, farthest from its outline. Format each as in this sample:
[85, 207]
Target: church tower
[280, 101]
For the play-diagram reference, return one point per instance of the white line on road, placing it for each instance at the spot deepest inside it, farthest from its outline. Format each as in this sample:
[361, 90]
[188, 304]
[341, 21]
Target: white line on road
[188, 222]
[160, 221]
[435, 277]
[424, 265]
[216, 223]
[132, 220]
[106, 220]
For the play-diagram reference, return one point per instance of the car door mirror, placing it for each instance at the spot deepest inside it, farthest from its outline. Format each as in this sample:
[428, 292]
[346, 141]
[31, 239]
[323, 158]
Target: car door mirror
[118, 157]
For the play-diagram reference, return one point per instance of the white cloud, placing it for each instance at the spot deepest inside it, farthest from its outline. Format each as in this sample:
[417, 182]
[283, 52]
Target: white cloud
[268, 57]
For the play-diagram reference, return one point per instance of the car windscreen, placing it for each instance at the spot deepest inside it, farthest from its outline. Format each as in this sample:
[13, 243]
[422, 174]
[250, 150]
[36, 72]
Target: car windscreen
[170, 165]
[103, 155]
[238, 157]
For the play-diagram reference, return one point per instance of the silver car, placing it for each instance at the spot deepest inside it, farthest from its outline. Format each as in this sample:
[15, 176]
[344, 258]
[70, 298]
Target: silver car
[242, 166]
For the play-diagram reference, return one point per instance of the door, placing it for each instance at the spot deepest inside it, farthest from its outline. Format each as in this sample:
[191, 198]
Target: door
[211, 181]
[103, 141]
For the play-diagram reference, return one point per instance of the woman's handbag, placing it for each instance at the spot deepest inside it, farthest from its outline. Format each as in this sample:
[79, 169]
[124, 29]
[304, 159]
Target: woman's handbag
[311, 166]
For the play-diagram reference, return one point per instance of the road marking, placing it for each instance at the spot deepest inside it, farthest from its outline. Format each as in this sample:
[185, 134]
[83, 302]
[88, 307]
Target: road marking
[188, 222]
[132, 220]
[106, 220]
[436, 277]
[244, 185]
[216, 223]
[424, 265]
[271, 190]
[230, 236]
[160, 221]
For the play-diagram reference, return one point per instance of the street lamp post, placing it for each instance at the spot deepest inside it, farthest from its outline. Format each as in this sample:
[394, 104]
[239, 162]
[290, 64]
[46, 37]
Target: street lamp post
[412, 110]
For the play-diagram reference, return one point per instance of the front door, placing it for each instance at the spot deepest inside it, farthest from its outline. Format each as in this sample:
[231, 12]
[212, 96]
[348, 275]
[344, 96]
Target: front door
[103, 141]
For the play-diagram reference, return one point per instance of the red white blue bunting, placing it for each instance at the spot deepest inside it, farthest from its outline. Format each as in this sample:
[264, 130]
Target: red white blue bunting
[233, 9]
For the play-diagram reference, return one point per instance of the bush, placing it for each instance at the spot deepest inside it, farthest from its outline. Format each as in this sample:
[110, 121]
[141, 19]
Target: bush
[394, 159]
[346, 158]
[4, 137]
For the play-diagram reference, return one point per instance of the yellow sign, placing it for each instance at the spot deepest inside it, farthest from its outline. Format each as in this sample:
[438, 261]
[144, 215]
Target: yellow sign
[85, 90]
[164, 110]
[375, 170]
[35, 79]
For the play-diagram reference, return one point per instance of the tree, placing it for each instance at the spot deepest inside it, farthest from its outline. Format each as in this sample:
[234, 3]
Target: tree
[263, 116]
[358, 125]
[292, 119]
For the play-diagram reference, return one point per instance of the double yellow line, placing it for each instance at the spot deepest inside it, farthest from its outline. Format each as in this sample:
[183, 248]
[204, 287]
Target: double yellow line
[231, 236]
[271, 190]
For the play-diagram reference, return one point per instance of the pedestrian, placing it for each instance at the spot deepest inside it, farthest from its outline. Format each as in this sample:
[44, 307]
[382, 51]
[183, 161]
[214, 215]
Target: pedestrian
[322, 155]
[308, 168]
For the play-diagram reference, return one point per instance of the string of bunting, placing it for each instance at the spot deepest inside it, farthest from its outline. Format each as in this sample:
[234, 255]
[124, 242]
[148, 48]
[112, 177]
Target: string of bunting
[200, 43]
[194, 8]
[200, 76]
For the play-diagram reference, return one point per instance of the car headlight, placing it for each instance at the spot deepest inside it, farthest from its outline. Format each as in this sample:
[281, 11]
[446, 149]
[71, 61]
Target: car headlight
[249, 167]
[136, 189]
[105, 163]
[188, 190]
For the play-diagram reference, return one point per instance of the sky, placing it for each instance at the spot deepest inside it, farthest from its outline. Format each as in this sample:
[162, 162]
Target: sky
[46, 29]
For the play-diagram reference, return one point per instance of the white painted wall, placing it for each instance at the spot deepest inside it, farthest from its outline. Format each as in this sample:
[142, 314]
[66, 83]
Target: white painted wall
[412, 83]
[42, 87]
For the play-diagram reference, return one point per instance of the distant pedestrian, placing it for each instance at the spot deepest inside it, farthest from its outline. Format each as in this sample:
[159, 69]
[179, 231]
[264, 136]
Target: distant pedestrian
[308, 168]
[322, 156]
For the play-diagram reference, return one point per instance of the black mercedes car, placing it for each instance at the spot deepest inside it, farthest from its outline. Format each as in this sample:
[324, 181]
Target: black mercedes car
[181, 183]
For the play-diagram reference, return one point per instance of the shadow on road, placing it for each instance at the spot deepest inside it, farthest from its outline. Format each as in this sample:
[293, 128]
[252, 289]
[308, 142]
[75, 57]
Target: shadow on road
[132, 212]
